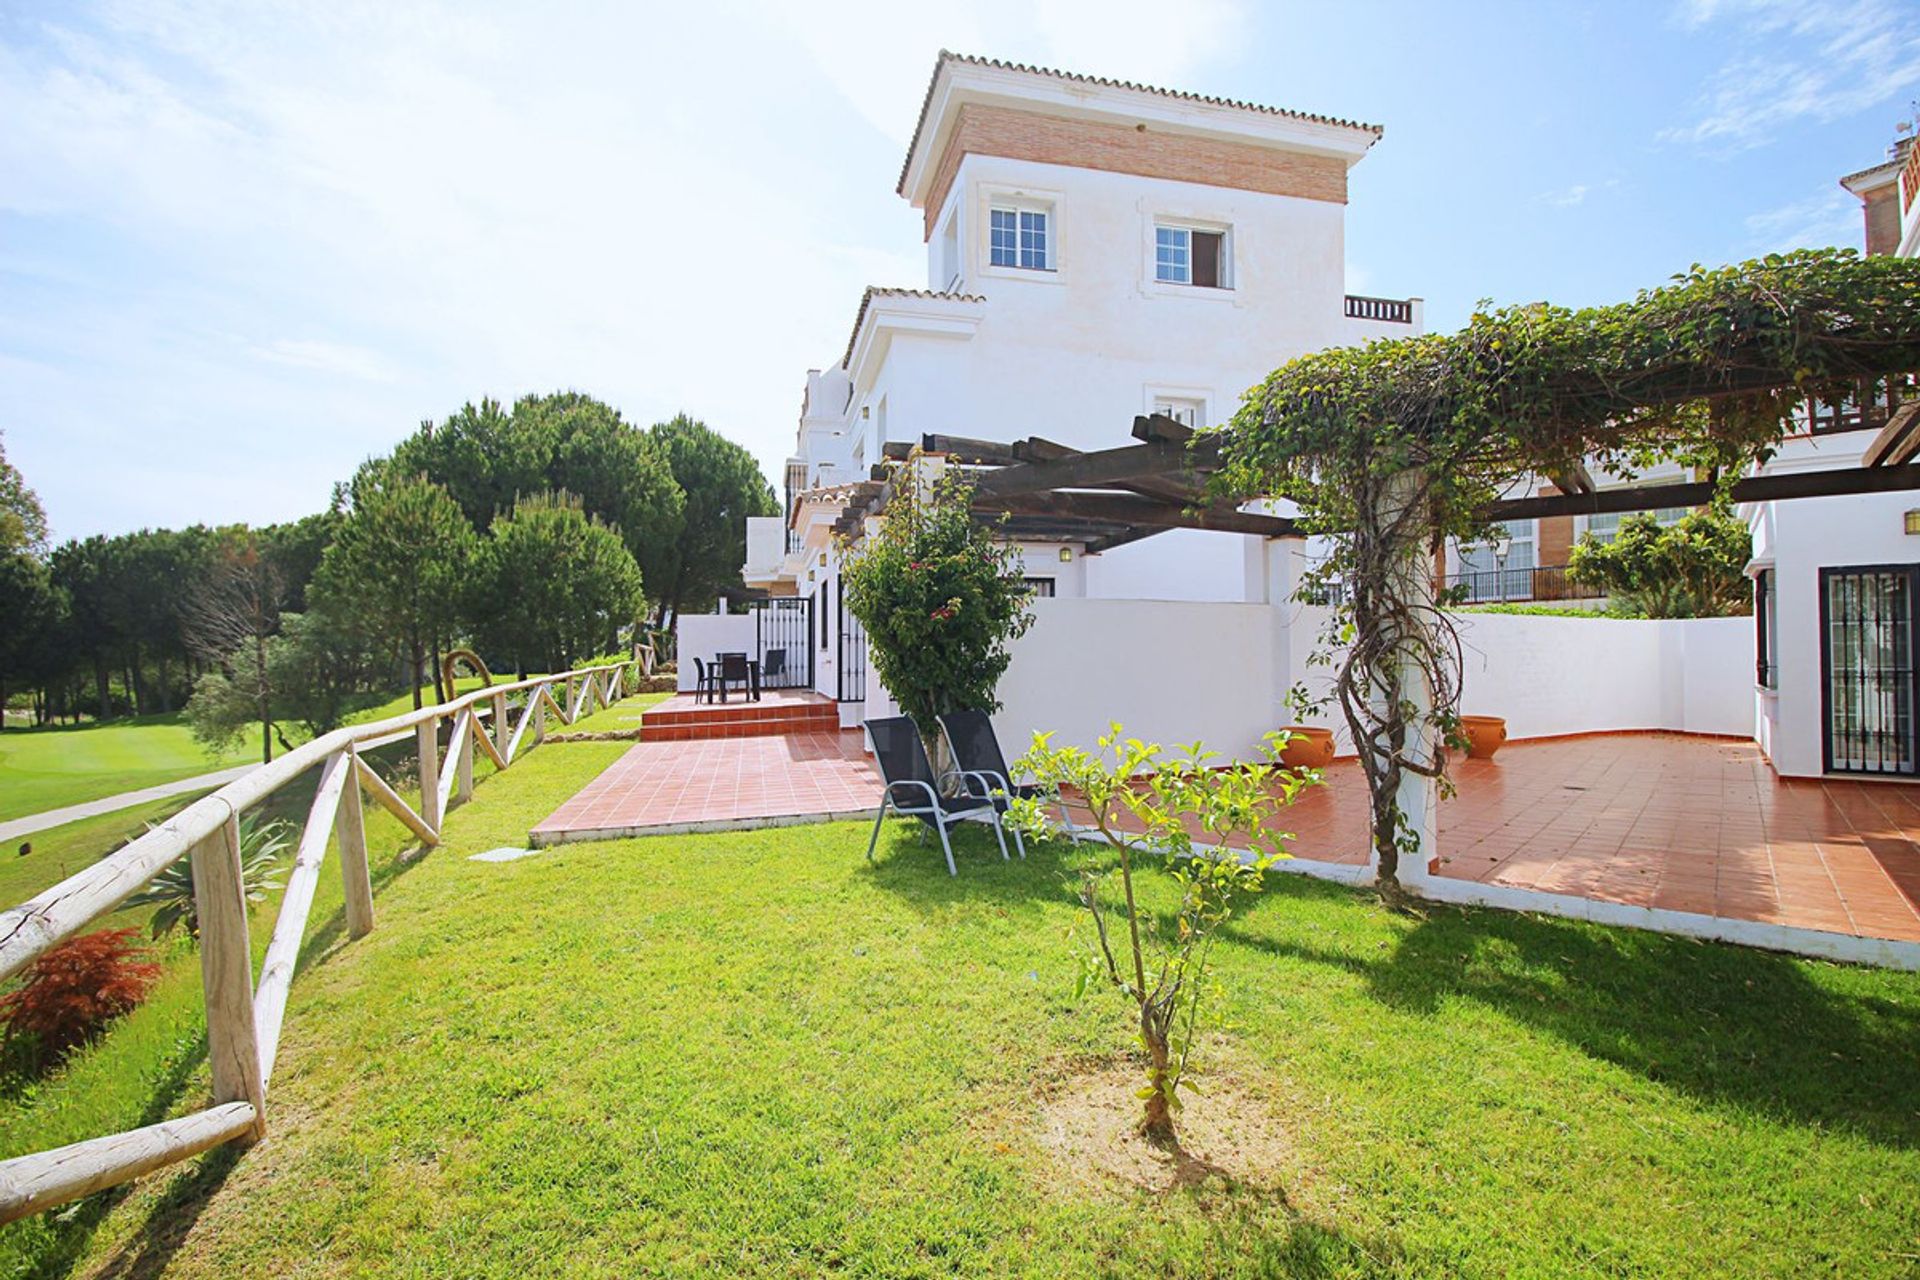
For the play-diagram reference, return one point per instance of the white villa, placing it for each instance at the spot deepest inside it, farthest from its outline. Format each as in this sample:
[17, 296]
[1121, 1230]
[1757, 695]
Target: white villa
[1098, 250]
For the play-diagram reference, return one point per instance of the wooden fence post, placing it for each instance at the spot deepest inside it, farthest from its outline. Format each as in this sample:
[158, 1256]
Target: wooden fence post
[226, 972]
[427, 737]
[351, 828]
[500, 735]
[463, 759]
[538, 706]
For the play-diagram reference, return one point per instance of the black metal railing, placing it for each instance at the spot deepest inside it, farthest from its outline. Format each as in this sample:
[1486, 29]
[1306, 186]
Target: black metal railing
[783, 636]
[1491, 586]
[1391, 310]
[853, 656]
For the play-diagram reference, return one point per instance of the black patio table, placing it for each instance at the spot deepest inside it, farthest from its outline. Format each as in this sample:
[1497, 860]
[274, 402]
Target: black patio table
[752, 677]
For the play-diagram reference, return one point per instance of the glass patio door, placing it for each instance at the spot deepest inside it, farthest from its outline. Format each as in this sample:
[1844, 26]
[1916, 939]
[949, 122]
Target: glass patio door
[1866, 659]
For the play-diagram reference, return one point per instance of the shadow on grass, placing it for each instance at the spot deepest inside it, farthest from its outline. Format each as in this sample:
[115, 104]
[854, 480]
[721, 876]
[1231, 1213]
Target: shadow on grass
[1725, 1024]
[67, 1231]
[911, 867]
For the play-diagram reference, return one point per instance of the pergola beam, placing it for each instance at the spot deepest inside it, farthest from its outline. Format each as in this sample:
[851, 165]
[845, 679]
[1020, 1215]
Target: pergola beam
[1133, 510]
[1834, 483]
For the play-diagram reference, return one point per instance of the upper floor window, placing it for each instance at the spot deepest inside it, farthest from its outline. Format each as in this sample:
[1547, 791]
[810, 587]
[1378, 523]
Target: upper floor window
[1018, 236]
[1187, 411]
[1605, 527]
[1189, 255]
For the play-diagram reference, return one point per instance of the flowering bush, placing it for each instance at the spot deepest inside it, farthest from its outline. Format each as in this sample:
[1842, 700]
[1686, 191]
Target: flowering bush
[74, 990]
[940, 599]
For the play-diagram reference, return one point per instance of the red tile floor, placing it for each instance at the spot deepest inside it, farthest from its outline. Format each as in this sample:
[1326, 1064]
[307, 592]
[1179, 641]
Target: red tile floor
[1663, 820]
[658, 787]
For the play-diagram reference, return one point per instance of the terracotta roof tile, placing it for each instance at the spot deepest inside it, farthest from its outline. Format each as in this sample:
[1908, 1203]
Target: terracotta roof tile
[881, 291]
[926, 103]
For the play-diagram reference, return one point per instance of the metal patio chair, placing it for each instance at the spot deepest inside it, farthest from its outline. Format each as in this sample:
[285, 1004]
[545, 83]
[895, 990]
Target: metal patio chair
[982, 767]
[705, 680]
[735, 669]
[912, 789]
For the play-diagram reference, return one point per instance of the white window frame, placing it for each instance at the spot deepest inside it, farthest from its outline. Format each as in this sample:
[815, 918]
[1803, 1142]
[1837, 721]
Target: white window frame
[951, 251]
[1189, 411]
[1158, 393]
[988, 198]
[1186, 227]
[1154, 220]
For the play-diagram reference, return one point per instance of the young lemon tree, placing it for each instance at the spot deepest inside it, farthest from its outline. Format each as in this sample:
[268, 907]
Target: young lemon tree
[1144, 800]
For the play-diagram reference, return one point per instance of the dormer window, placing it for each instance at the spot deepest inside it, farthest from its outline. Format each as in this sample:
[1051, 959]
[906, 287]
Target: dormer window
[1019, 235]
[1189, 255]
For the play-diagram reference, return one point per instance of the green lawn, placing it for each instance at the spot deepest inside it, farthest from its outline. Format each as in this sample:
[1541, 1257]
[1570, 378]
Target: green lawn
[56, 766]
[50, 768]
[753, 1054]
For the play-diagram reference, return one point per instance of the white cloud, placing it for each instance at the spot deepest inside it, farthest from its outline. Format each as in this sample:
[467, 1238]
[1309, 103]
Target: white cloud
[289, 233]
[1821, 220]
[327, 357]
[1796, 60]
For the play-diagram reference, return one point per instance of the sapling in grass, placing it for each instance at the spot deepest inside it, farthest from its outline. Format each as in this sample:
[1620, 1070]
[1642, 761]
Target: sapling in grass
[1179, 808]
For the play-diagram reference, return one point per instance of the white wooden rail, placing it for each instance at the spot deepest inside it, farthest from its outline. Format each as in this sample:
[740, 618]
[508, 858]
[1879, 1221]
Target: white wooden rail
[244, 1016]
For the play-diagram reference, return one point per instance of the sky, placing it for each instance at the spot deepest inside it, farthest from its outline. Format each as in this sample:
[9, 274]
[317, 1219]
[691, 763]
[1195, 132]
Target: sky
[245, 246]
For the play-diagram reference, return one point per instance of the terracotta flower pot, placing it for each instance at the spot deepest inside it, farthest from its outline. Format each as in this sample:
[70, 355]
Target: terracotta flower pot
[1485, 734]
[1308, 747]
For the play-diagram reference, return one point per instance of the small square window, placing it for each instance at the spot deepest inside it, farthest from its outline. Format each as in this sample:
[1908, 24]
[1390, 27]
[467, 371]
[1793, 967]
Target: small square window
[1184, 255]
[1018, 237]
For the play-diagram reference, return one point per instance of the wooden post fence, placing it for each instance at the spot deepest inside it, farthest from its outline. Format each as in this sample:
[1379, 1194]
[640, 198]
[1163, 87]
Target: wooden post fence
[244, 1018]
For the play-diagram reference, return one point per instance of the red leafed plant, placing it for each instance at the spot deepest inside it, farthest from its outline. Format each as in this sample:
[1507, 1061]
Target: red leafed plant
[75, 989]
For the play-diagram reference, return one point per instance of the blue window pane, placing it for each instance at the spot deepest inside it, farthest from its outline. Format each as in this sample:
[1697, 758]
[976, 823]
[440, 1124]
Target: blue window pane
[1033, 240]
[1003, 244]
[1172, 259]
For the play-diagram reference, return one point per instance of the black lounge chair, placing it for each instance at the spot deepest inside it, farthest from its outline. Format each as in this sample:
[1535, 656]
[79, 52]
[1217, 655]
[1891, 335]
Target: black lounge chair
[913, 791]
[982, 767]
[773, 666]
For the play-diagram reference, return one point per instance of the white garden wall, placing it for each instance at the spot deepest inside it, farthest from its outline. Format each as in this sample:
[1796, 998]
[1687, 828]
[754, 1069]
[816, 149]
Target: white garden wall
[1171, 671]
[1176, 671]
[1552, 676]
[701, 635]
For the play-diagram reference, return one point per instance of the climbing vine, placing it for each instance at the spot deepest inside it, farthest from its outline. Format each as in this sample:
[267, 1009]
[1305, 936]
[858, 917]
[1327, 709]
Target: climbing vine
[1392, 448]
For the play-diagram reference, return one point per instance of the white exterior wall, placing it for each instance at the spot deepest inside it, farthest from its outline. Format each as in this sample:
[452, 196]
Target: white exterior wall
[1549, 676]
[1798, 539]
[1174, 672]
[1169, 671]
[701, 635]
[1074, 353]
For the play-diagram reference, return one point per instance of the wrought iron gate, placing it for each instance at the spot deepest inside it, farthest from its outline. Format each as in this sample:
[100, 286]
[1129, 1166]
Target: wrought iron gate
[783, 639]
[853, 655]
[1867, 671]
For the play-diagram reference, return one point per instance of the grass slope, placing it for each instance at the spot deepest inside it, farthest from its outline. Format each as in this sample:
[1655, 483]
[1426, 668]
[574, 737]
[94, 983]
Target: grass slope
[752, 1054]
[50, 768]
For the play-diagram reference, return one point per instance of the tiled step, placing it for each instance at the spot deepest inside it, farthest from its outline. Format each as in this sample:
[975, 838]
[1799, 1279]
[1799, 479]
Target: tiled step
[743, 720]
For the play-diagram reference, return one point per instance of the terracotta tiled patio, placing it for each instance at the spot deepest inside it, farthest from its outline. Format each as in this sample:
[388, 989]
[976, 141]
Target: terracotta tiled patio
[661, 787]
[1659, 820]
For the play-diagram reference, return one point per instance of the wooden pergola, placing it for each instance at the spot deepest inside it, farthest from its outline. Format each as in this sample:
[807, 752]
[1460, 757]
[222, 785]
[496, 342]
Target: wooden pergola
[1105, 498]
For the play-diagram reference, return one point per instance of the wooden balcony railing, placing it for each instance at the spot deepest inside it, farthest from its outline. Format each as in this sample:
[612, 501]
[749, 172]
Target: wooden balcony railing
[1910, 178]
[244, 1016]
[1391, 310]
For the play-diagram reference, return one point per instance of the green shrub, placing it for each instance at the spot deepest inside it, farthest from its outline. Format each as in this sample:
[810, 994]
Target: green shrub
[1144, 801]
[1693, 568]
[171, 892]
[940, 597]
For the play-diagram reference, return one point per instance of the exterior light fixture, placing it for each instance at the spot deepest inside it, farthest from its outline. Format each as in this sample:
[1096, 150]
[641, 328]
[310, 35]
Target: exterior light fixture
[1913, 522]
[823, 559]
[1066, 555]
[865, 411]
